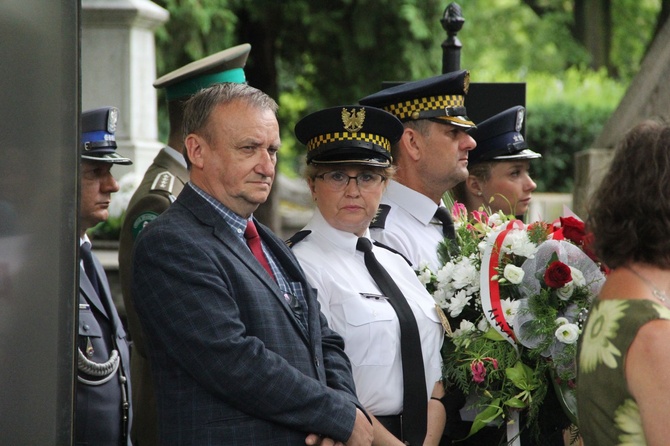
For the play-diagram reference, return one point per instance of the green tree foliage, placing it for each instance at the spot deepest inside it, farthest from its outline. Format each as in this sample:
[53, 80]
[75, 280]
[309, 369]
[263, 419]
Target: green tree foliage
[565, 115]
[313, 54]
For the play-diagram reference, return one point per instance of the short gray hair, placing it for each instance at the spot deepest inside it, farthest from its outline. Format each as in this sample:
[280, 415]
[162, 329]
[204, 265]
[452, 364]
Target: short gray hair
[199, 107]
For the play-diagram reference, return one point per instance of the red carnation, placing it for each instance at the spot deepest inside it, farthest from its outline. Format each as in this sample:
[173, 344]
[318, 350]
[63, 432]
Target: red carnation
[573, 229]
[557, 275]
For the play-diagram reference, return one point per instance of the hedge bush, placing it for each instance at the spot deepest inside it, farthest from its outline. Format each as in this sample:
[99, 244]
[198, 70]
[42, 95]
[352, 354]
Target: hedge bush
[558, 131]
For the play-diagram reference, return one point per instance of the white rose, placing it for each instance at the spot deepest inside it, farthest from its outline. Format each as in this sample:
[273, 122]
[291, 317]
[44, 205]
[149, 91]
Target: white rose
[561, 321]
[565, 292]
[577, 277]
[513, 274]
[567, 333]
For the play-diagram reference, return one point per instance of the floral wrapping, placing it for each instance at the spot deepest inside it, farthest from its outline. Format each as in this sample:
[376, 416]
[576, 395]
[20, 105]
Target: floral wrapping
[516, 297]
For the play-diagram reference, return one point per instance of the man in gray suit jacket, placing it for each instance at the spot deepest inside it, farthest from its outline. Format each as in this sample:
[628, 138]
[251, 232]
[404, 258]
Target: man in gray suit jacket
[240, 352]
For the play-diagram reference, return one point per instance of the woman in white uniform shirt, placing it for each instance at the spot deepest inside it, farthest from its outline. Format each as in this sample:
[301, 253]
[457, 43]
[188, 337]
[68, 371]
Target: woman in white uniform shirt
[349, 163]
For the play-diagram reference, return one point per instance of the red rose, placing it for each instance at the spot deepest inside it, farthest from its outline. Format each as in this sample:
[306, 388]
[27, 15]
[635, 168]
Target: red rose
[557, 275]
[573, 229]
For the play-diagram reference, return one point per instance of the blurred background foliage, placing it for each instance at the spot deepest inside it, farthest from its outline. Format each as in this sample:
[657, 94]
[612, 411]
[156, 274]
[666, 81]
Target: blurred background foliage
[576, 56]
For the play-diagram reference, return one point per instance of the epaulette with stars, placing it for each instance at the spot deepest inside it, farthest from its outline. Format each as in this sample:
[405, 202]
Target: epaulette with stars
[164, 181]
[379, 220]
[297, 237]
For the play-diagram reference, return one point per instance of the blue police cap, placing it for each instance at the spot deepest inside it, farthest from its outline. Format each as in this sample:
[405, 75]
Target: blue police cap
[439, 98]
[499, 138]
[224, 66]
[98, 127]
[349, 134]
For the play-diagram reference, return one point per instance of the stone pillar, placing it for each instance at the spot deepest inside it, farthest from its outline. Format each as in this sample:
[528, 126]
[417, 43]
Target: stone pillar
[118, 67]
[647, 97]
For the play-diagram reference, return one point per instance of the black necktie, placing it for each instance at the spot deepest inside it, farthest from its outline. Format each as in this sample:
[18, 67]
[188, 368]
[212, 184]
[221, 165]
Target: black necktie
[415, 397]
[89, 266]
[444, 216]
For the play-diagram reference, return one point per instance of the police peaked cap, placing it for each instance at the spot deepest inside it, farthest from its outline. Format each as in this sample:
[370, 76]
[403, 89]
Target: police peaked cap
[439, 98]
[98, 128]
[224, 66]
[499, 138]
[349, 134]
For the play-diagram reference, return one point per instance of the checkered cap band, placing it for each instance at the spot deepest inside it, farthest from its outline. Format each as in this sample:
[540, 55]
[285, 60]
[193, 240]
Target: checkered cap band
[346, 136]
[405, 110]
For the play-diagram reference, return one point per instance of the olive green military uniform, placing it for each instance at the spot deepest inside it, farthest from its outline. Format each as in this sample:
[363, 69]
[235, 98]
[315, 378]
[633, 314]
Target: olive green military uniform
[163, 181]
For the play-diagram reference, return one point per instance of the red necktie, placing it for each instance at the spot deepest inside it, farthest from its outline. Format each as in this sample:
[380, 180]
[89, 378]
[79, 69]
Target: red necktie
[254, 242]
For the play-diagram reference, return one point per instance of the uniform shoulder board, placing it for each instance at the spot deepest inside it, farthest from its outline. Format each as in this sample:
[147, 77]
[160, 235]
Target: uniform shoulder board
[164, 181]
[379, 221]
[395, 251]
[297, 237]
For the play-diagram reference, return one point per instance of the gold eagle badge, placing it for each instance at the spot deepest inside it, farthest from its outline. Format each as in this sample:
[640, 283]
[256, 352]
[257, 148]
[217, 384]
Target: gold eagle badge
[353, 120]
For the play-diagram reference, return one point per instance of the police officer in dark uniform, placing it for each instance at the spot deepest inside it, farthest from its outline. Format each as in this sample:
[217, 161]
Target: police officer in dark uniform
[103, 409]
[162, 183]
[499, 167]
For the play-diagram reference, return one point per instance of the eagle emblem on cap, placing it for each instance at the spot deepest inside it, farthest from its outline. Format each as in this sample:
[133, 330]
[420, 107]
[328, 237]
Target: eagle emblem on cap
[353, 120]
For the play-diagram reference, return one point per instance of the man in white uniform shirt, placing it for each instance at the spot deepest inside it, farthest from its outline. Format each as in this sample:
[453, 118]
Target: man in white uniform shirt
[431, 158]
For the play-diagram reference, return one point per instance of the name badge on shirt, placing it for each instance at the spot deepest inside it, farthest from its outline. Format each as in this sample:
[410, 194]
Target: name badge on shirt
[373, 296]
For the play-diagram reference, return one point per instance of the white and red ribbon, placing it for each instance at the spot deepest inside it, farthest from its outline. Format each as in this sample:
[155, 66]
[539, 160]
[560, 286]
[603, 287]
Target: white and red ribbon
[490, 289]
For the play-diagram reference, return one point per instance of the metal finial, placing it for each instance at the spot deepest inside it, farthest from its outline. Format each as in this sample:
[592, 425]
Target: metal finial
[452, 22]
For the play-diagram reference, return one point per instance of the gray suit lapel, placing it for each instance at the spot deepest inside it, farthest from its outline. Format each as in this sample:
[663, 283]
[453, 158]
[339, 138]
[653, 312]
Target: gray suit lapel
[86, 287]
[204, 212]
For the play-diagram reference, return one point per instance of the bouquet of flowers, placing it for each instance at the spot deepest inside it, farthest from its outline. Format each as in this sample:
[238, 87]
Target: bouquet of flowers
[517, 296]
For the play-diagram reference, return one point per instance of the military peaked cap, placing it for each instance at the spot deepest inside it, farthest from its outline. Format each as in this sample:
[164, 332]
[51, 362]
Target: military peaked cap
[98, 128]
[439, 98]
[224, 66]
[349, 134]
[499, 138]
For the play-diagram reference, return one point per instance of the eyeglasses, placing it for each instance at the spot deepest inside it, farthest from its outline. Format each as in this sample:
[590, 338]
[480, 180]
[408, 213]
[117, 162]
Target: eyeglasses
[339, 180]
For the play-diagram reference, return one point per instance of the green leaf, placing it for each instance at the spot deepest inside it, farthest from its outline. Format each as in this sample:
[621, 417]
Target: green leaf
[522, 376]
[566, 397]
[493, 335]
[515, 403]
[516, 374]
[488, 415]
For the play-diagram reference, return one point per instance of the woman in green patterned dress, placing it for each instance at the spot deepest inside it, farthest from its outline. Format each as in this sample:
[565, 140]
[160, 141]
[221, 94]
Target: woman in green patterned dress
[624, 359]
